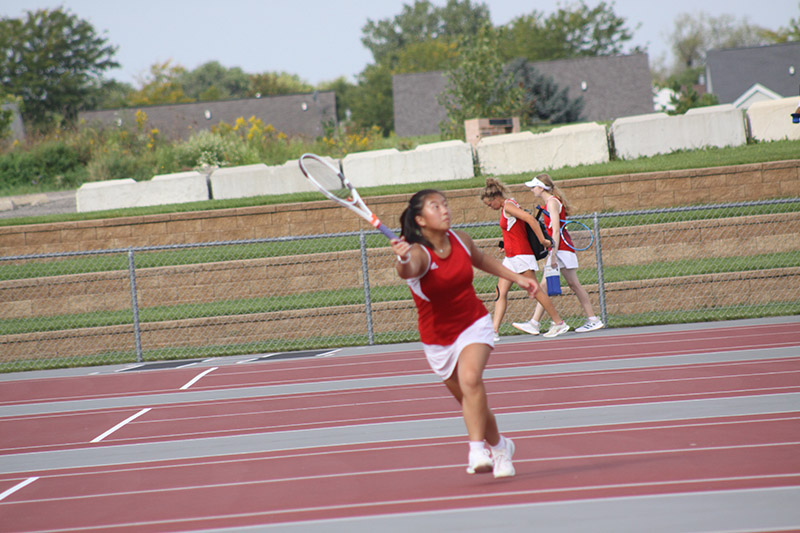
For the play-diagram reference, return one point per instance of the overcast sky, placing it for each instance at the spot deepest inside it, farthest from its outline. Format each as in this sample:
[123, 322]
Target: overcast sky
[320, 40]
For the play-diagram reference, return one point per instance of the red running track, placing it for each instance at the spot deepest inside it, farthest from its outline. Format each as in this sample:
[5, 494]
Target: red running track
[405, 475]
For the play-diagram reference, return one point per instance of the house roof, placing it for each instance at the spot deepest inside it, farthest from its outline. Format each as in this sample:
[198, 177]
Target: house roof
[730, 72]
[756, 93]
[611, 87]
[293, 114]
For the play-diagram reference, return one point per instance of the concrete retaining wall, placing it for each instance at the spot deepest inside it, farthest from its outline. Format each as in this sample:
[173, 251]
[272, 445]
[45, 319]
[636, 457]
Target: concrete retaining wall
[259, 180]
[770, 121]
[659, 133]
[182, 187]
[571, 145]
[449, 160]
[514, 153]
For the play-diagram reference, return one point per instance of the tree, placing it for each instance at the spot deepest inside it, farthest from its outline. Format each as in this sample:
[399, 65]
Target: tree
[572, 31]
[422, 37]
[112, 94]
[52, 60]
[784, 35]
[373, 103]
[686, 97]
[426, 57]
[422, 22]
[275, 83]
[694, 35]
[477, 86]
[346, 97]
[544, 100]
[212, 81]
[160, 87]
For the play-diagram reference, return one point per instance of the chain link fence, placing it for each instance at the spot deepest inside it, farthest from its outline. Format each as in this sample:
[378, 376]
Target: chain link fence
[711, 262]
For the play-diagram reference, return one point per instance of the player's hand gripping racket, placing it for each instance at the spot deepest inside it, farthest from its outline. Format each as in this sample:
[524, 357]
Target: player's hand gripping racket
[574, 234]
[331, 182]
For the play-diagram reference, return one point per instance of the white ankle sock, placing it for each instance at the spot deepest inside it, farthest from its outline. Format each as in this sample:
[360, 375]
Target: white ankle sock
[501, 444]
[476, 445]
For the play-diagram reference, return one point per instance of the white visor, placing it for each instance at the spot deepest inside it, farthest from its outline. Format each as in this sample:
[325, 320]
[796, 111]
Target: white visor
[535, 182]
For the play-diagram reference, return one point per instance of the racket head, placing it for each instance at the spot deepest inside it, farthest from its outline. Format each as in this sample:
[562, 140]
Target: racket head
[328, 179]
[576, 235]
[331, 182]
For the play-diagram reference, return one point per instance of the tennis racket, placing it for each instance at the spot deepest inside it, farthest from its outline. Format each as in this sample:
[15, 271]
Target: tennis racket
[574, 234]
[331, 182]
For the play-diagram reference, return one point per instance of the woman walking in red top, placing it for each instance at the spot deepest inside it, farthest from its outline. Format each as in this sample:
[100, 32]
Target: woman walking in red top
[454, 326]
[519, 256]
[562, 255]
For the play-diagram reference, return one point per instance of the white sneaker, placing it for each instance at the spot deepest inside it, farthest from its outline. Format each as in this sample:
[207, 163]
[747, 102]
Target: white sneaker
[496, 337]
[503, 467]
[480, 462]
[590, 325]
[527, 327]
[556, 330]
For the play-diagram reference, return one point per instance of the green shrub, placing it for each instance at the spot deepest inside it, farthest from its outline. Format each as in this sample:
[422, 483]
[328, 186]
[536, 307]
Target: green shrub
[207, 148]
[118, 165]
[53, 163]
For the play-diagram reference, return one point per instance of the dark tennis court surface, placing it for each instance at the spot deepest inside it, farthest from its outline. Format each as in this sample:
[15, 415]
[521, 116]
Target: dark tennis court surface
[692, 427]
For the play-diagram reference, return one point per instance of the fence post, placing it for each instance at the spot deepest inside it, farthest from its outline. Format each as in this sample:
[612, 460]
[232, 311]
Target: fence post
[365, 276]
[598, 255]
[137, 334]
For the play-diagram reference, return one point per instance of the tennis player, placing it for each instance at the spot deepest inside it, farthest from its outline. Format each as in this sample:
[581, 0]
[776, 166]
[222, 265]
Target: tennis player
[562, 255]
[519, 256]
[454, 326]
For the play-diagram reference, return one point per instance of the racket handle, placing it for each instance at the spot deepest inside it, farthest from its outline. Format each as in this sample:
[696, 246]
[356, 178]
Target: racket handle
[386, 231]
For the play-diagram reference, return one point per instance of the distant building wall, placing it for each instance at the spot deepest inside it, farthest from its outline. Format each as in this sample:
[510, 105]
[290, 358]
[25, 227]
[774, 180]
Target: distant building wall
[295, 114]
[611, 87]
[17, 127]
[416, 108]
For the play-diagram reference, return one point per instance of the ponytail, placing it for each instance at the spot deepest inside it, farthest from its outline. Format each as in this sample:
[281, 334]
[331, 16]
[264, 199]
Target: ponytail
[494, 188]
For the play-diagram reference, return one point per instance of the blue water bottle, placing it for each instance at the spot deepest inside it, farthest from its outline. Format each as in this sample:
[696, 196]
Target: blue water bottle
[553, 279]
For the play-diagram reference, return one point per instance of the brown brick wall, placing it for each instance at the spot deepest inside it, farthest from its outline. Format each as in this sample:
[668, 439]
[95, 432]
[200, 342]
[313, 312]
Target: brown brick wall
[778, 179]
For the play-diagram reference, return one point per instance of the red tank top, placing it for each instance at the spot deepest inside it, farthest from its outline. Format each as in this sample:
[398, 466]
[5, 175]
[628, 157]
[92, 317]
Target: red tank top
[444, 295]
[515, 238]
[562, 215]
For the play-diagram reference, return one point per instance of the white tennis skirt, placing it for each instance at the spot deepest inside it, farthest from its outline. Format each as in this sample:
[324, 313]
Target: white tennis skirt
[521, 263]
[566, 259]
[443, 359]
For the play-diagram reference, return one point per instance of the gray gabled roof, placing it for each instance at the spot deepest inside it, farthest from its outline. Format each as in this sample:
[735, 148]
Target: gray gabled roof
[732, 71]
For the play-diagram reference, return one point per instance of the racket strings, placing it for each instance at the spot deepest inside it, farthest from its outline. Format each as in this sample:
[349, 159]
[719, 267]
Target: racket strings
[328, 179]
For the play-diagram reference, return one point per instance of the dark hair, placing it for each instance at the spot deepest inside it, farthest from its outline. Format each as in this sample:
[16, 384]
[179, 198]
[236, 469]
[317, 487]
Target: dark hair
[408, 225]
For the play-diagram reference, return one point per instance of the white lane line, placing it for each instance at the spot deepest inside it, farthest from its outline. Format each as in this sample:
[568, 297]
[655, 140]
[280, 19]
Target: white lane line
[17, 487]
[198, 377]
[128, 368]
[126, 421]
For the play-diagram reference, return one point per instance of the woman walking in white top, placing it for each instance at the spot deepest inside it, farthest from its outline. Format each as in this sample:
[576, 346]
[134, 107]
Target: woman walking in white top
[560, 254]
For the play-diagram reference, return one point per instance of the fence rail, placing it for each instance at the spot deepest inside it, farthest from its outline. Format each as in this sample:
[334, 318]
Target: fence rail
[709, 262]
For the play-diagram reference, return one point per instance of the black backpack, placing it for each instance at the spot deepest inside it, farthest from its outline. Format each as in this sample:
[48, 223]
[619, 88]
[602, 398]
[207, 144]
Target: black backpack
[539, 250]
